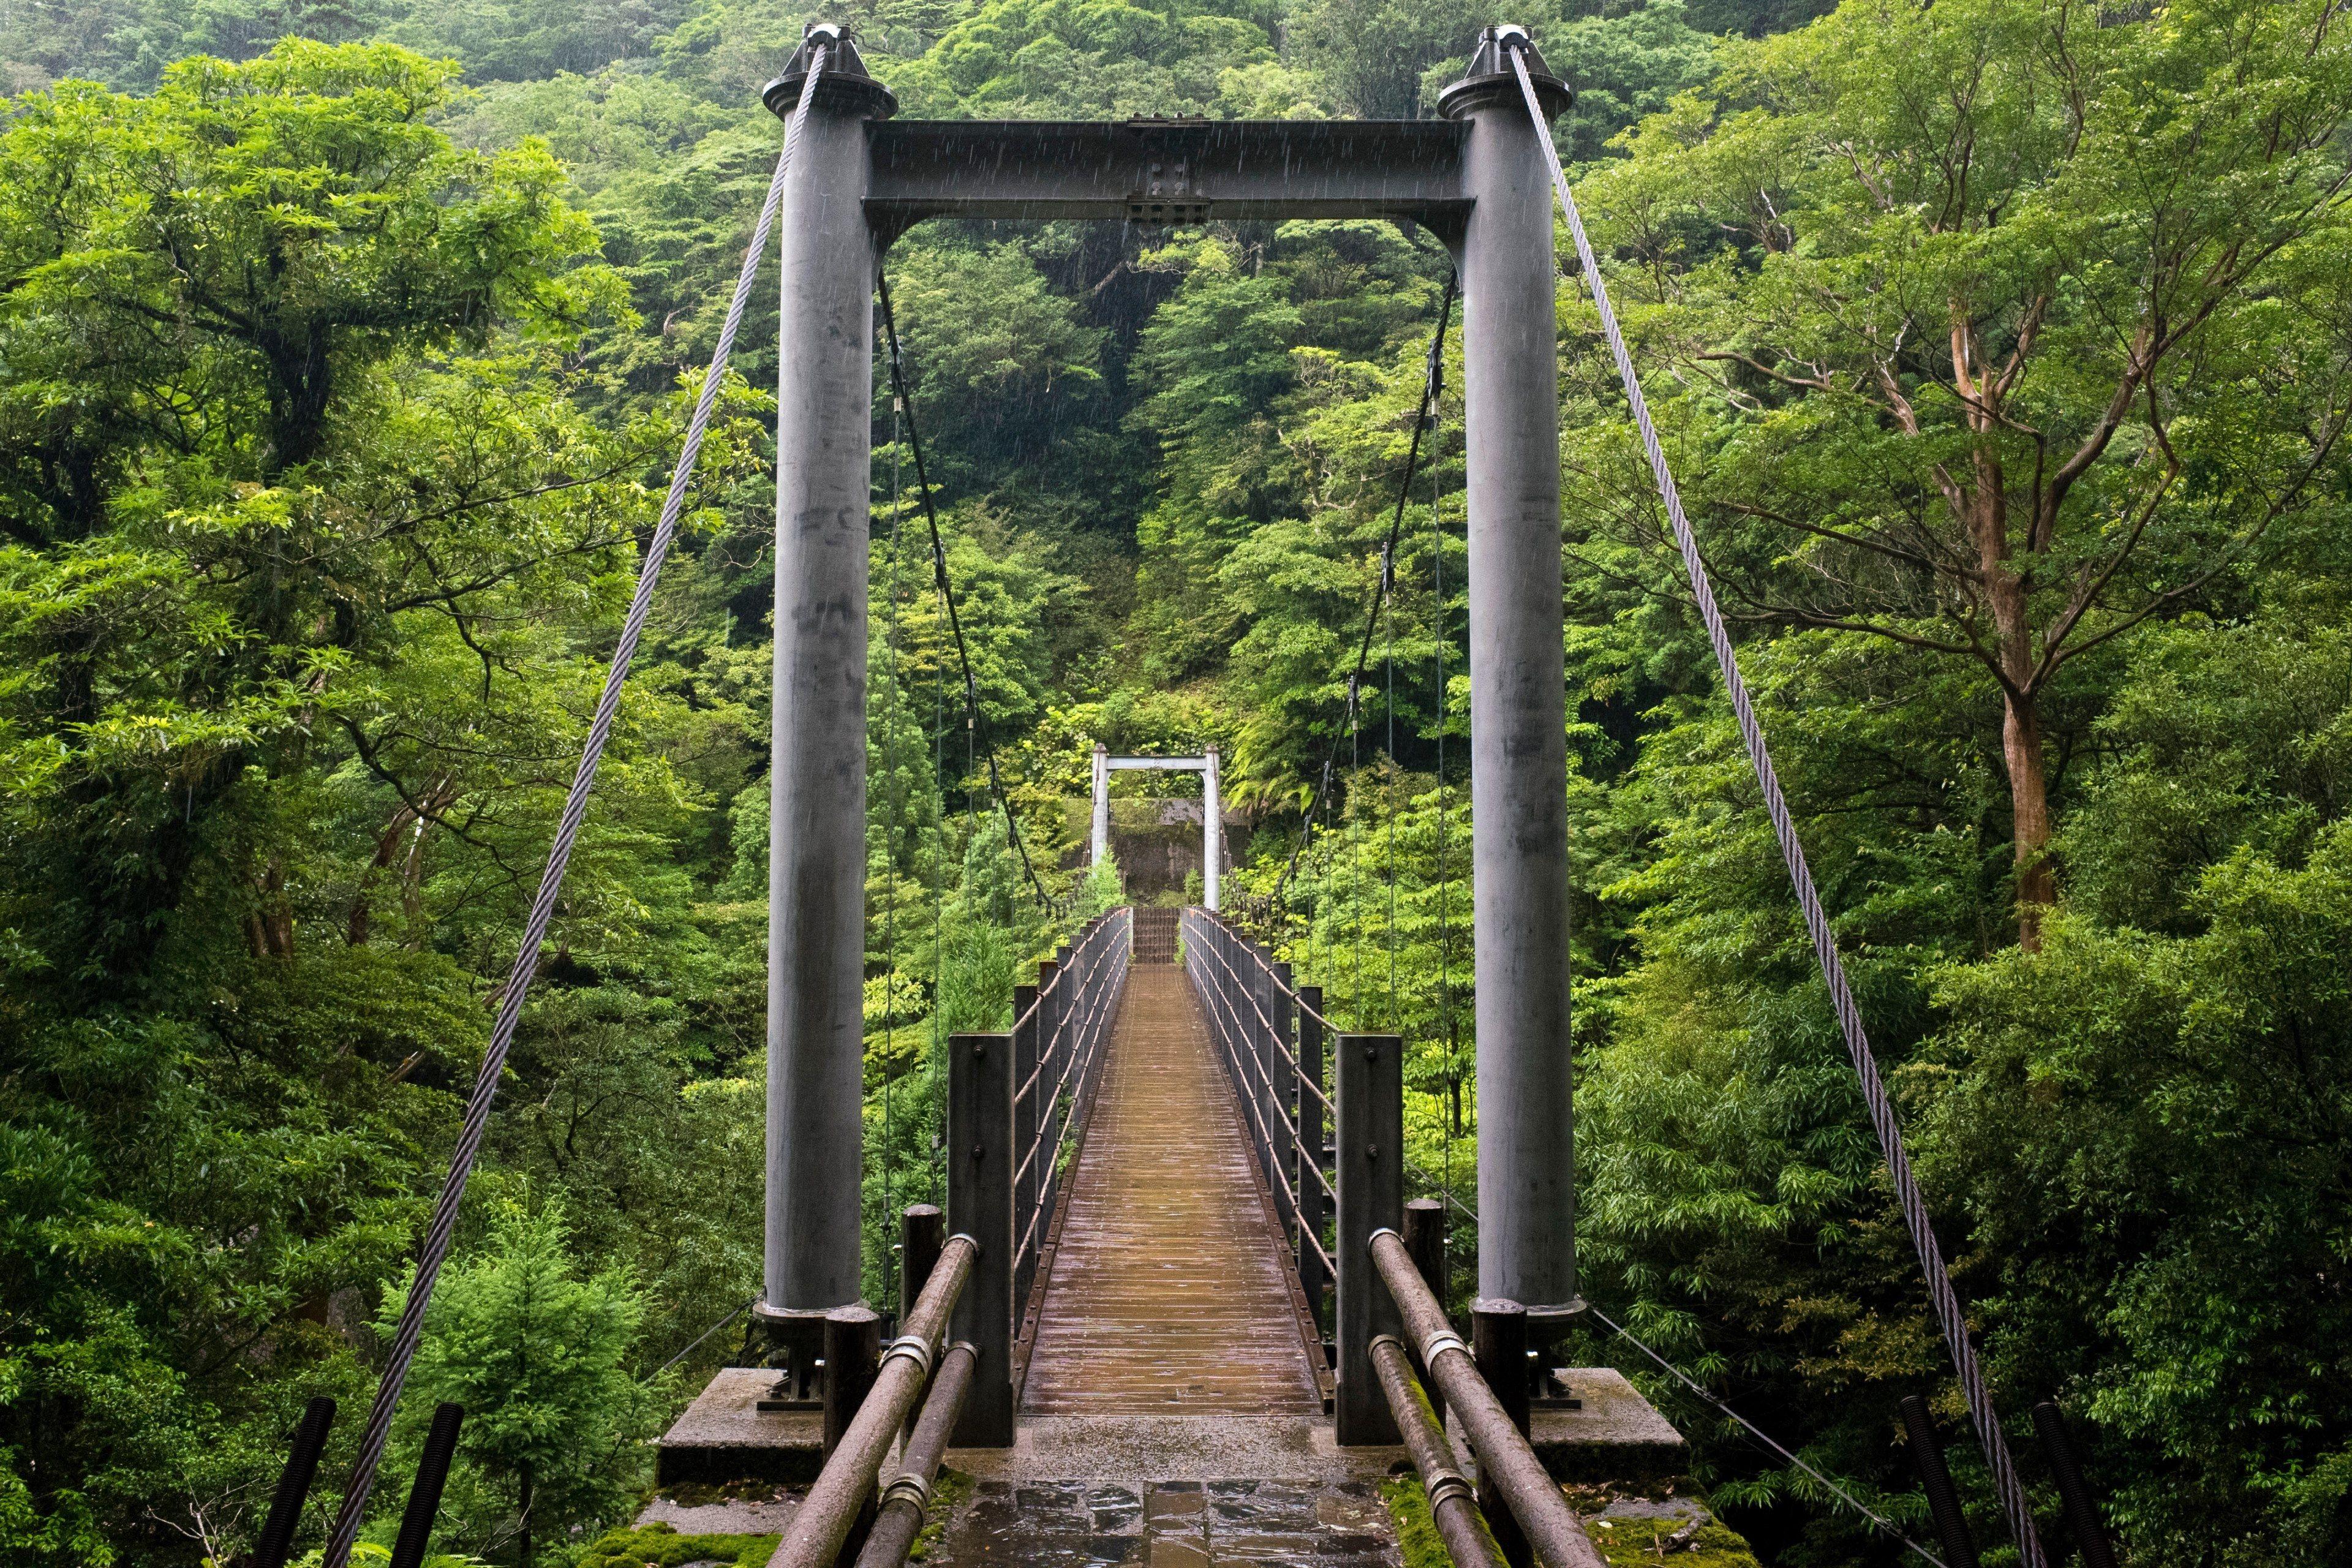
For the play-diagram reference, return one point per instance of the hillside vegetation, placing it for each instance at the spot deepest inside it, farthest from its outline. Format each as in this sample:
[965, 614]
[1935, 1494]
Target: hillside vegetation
[2004, 348]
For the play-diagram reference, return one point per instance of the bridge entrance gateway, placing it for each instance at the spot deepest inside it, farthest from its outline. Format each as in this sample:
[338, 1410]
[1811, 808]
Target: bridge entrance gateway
[1212, 816]
[859, 178]
[1162, 1323]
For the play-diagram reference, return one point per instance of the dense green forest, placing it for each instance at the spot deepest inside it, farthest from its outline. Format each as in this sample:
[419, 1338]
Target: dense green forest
[2003, 347]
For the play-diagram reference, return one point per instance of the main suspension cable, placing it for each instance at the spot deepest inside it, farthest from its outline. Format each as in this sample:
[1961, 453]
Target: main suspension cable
[1946, 1302]
[436, 1251]
[947, 593]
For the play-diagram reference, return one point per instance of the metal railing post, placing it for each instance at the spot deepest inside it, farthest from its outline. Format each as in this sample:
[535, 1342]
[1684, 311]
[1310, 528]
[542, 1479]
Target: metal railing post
[1943, 1500]
[852, 1355]
[1312, 1207]
[1424, 1236]
[276, 1538]
[1499, 1343]
[2082, 1513]
[981, 1159]
[922, 1231]
[424, 1505]
[853, 1352]
[1370, 1104]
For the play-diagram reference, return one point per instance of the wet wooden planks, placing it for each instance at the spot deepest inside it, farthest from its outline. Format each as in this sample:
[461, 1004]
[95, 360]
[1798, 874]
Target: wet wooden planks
[1169, 1290]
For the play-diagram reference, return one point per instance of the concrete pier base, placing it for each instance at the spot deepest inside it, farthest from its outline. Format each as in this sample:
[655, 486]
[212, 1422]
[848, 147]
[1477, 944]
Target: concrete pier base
[724, 1435]
[1615, 1435]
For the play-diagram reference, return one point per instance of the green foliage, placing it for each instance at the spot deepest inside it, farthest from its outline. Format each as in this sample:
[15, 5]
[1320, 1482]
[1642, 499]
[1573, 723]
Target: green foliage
[1625, 68]
[1378, 53]
[2169, 1185]
[534, 1354]
[1101, 891]
[531, 38]
[2047, 304]
[1050, 60]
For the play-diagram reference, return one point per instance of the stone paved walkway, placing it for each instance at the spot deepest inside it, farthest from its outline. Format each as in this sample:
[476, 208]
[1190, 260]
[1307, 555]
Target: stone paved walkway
[1172, 1524]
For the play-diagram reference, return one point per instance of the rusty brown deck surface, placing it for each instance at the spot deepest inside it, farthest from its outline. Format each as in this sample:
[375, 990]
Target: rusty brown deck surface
[1169, 1290]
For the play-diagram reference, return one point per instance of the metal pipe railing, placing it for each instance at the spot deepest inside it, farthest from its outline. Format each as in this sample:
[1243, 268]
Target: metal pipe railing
[1504, 1452]
[813, 1539]
[1453, 1506]
[907, 1500]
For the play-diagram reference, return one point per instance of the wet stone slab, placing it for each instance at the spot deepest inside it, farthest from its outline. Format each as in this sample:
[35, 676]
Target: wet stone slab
[1171, 1524]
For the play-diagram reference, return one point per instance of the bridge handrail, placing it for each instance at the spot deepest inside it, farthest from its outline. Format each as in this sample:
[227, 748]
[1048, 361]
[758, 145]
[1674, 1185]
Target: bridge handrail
[1093, 931]
[1453, 1506]
[1265, 1078]
[1093, 1033]
[1504, 1452]
[907, 1499]
[814, 1537]
[1206, 936]
[1225, 1040]
[1280, 984]
[1089, 947]
[1445, 1189]
[1287, 1055]
[1289, 1192]
[1095, 970]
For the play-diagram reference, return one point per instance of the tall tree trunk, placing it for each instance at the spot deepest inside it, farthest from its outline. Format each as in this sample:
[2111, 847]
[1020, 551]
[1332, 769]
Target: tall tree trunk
[387, 847]
[276, 924]
[2005, 590]
[2029, 798]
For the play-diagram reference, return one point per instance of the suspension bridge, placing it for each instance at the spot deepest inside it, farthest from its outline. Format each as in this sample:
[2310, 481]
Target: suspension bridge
[1177, 1308]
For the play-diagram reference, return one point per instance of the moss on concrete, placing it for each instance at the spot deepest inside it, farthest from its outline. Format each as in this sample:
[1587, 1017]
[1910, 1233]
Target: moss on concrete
[661, 1546]
[1623, 1542]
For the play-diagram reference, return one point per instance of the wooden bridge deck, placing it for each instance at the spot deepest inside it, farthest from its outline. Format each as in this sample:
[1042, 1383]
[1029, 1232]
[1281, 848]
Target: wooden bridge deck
[1171, 1291]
